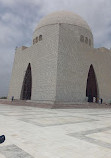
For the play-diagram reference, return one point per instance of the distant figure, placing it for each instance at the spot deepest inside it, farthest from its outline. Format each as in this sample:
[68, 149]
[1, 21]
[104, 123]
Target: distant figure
[101, 100]
[2, 139]
[94, 99]
[12, 98]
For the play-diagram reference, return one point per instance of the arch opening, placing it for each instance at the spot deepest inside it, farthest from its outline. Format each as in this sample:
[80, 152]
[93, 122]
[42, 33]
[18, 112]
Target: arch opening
[27, 84]
[91, 87]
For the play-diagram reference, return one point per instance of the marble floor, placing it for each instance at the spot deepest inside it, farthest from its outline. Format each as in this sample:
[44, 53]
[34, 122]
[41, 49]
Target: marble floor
[55, 133]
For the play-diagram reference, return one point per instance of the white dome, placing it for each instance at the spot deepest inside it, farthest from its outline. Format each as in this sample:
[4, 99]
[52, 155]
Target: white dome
[63, 17]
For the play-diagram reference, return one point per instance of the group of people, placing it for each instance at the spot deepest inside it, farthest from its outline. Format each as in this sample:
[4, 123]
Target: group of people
[95, 100]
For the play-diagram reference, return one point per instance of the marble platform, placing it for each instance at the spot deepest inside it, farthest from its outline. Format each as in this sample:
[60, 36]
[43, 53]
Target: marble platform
[33, 132]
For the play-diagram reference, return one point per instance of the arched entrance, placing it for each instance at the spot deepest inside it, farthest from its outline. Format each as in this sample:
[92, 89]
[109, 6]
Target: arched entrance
[27, 85]
[91, 88]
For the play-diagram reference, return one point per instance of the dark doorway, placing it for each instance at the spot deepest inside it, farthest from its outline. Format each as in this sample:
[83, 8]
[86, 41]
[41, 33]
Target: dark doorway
[91, 89]
[27, 85]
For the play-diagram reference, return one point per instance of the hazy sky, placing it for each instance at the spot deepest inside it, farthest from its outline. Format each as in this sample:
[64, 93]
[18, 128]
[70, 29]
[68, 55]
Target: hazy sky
[18, 19]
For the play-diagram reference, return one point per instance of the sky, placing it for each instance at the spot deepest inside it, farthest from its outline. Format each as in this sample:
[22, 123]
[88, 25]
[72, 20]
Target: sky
[19, 18]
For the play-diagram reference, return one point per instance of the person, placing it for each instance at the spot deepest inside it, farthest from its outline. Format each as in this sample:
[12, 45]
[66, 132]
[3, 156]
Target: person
[94, 99]
[101, 100]
[12, 98]
[2, 139]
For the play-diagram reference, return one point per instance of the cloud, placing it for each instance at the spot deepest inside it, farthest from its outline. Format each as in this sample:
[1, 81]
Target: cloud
[8, 2]
[18, 19]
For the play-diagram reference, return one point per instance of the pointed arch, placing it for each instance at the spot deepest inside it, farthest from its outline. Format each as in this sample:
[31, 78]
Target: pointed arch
[27, 84]
[91, 87]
